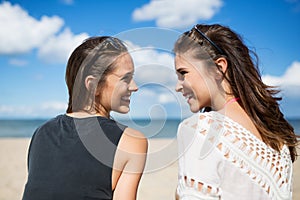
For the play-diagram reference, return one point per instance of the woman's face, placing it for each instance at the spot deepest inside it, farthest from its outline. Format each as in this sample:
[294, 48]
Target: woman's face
[194, 82]
[115, 96]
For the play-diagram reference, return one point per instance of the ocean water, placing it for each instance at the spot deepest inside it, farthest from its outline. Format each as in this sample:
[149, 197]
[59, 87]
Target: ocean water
[151, 128]
[155, 128]
[19, 127]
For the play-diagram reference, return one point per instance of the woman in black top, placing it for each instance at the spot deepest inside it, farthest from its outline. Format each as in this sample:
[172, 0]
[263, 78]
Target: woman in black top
[84, 154]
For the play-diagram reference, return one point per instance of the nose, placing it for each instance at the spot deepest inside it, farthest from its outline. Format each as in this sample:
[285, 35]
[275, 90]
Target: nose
[132, 86]
[178, 87]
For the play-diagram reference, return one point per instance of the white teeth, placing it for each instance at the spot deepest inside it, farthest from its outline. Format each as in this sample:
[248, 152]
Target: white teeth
[126, 98]
[188, 96]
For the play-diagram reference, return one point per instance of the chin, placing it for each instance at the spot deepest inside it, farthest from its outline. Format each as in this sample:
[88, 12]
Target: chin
[122, 110]
[194, 110]
[194, 107]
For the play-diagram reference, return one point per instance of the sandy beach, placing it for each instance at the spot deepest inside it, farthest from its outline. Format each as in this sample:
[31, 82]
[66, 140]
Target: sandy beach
[159, 181]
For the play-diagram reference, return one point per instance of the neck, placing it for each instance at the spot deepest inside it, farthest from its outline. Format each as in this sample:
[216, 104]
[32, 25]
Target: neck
[234, 99]
[221, 105]
[83, 114]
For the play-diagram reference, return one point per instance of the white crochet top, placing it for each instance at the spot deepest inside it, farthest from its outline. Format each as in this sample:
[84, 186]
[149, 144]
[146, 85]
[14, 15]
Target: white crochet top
[220, 159]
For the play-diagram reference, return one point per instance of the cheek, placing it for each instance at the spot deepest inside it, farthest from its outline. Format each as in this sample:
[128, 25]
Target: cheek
[117, 91]
[201, 87]
[106, 94]
[196, 82]
[105, 98]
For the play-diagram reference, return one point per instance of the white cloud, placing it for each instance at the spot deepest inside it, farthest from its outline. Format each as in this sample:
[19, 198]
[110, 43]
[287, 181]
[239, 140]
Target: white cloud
[23, 33]
[177, 13]
[156, 96]
[289, 82]
[18, 62]
[20, 32]
[54, 105]
[166, 98]
[44, 110]
[61, 46]
[152, 66]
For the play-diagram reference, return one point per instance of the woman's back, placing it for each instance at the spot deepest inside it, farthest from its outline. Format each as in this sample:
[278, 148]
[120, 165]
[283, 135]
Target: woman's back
[71, 158]
[222, 159]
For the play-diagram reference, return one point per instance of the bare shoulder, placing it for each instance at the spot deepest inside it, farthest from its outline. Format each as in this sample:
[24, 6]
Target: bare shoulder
[134, 141]
[134, 133]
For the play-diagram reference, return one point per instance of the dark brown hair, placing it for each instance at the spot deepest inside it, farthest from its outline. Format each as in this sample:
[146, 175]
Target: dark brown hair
[257, 99]
[96, 56]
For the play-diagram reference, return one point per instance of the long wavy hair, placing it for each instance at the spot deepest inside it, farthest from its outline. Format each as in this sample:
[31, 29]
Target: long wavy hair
[97, 57]
[259, 100]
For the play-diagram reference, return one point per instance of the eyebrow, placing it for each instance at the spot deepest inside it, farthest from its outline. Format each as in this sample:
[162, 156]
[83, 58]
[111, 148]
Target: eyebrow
[181, 69]
[122, 76]
[127, 74]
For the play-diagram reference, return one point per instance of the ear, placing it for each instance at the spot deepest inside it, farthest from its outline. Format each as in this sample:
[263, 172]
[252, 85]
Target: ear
[222, 64]
[89, 81]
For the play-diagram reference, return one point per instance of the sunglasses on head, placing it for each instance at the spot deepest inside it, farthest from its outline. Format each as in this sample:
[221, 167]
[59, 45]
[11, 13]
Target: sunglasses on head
[209, 40]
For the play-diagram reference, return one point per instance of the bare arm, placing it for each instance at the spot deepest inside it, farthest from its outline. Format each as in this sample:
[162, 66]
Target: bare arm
[130, 162]
[176, 196]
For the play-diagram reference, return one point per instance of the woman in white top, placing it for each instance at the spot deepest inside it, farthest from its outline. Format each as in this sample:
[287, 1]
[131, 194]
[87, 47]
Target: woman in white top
[241, 147]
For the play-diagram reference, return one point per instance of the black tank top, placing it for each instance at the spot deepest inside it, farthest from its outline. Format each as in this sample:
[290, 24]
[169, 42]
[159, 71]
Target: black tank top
[71, 159]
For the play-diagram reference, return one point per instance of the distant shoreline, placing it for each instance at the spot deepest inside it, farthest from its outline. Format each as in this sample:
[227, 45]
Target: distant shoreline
[152, 128]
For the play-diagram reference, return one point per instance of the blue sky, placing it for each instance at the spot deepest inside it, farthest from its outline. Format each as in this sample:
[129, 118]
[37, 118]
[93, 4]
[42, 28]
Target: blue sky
[36, 38]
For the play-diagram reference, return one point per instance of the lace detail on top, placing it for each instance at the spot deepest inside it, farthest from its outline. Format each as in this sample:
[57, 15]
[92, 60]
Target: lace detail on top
[270, 169]
[189, 186]
[197, 189]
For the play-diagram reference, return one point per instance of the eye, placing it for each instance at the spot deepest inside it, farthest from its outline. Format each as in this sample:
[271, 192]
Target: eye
[182, 72]
[127, 78]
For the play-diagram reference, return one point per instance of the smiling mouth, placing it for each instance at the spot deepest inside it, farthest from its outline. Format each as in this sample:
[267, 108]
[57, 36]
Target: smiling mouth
[125, 98]
[188, 96]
